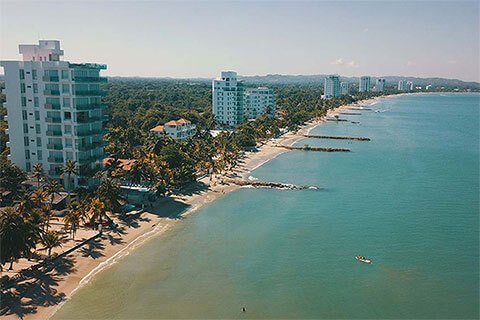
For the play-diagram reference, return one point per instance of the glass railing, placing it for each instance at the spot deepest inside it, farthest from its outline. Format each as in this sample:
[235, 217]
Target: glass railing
[55, 159]
[53, 119]
[50, 78]
[54, 146]
[90, 106]
[51, 92]
[90, 93]
[90, 79]
[54, 133]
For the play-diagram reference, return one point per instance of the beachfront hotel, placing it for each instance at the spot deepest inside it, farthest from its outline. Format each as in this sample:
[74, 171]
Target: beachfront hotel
[379, 85]
[54, 111]
[259, 101]
[180, 129]
[364, 84]
[227, 99]
[331, 87]
[232, 104]
[344, 88]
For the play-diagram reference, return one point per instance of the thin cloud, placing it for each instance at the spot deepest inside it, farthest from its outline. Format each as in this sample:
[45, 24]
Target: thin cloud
[353, 64]
[338, 62]
[452, 61]
[365, 30]
[410, 63]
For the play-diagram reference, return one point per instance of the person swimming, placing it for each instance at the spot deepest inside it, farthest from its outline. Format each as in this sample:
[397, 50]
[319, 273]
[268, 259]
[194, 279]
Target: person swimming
[244, 309]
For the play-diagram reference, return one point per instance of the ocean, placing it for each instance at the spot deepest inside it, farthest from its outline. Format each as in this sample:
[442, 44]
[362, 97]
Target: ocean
[408, 199]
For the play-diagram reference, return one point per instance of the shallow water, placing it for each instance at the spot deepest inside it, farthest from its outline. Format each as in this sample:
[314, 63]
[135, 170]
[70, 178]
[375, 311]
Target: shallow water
[408, 199]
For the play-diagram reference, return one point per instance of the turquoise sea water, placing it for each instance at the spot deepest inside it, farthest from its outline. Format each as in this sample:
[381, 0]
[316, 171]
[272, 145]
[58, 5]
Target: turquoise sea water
[408, 199]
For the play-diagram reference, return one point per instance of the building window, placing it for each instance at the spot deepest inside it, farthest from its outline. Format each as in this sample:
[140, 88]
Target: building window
[22, 74]
[68, 142]
[68, 129]
[69, 155]
[25, 128]
[39, 155]
[24, 114]
[37, 115]
[37, 128]
[27, 154]
[35, 102]
[65, 88]
[26, 143]
[66, 102]
[34, 74]
[67, 115]
[28, 165]
[24, 102]
[35, 88]
[39, 141]
[22, 87]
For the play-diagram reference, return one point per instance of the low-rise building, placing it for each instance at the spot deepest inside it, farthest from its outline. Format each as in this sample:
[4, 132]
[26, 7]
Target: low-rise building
[177, 129]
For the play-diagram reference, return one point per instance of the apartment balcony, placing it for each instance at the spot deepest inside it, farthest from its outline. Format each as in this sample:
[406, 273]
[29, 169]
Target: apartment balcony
[91, 158]
[53, 120]
[90, 79]
[52, 133]
[50, 106]
[90, 106]
[54, 173]
[51, 92]
[91, 132]
[91, 93]
[54, 146]
[90, 146]
[50, 78]
[55, 160]
[90, 119]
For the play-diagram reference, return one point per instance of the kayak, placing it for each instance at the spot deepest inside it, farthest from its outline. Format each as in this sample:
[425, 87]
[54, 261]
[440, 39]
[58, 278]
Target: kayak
[363, 259]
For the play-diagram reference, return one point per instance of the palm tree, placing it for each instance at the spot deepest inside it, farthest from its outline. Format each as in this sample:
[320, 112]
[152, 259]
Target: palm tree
[73, 218]
[69, 169]
[52, 188]
[109, 193]
[14, 236]
[38, 173]
[96, 211]
[51, 239]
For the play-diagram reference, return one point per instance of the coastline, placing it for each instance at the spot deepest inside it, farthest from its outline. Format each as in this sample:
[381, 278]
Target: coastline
[155, 222]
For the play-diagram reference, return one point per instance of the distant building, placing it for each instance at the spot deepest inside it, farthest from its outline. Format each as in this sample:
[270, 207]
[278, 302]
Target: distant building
[332, 86]
[364, 84]
[177, 129]
[258, 102]
[54, 112]
[428, 87]
[232, 104]
[379, 85]
[227, 99]
[409, 86]
[402, 85]
[344, 88]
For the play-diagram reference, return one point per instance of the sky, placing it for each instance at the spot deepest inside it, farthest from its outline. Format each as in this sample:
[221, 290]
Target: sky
[185, 39]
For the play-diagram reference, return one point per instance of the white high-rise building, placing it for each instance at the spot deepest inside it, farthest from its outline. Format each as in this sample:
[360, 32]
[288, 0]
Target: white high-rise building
[344, 88]
[258, 102]
[332, 86]
[379, 85]
[402, 85]
[365, 84]
[227, 99]
[409, 86]
[54, 111]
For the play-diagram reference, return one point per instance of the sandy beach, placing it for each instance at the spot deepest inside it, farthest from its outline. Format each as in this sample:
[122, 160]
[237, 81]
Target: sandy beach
[83, 265]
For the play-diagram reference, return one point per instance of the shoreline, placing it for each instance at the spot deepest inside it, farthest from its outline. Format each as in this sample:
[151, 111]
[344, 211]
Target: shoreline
[155, 223]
